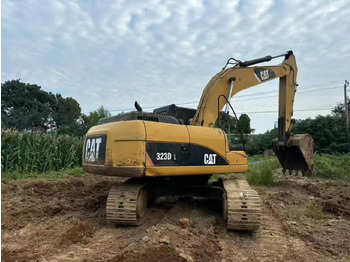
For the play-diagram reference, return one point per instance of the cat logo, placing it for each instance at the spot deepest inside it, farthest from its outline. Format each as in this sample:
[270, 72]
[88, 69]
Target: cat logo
[263, 74]
[92, 148]
[209, 159]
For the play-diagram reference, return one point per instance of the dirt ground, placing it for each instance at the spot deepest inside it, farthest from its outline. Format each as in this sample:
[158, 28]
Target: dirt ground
[64, 220]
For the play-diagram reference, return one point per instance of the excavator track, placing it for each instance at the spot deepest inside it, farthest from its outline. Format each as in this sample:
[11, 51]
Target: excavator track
[242, 207]
[127, 204]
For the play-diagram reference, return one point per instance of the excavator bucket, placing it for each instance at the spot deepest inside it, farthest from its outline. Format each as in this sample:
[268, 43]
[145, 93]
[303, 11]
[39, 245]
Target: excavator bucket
[296, 154]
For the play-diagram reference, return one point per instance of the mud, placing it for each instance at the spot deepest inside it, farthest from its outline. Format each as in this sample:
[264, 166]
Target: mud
[64, 220]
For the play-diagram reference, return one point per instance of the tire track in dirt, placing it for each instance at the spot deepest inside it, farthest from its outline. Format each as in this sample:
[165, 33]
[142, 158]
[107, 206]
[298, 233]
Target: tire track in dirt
[302, 206]
[64, 220]
[270, 243]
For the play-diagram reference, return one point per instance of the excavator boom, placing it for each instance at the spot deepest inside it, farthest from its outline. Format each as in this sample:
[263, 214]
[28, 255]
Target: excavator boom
[241, 77]
[294, 153]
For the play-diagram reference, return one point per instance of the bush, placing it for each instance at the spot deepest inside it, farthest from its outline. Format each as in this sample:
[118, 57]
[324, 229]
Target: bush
[37, 153]
[262, 172]
[328, 132]
[257, 144]
[331, 166]
[336, 167]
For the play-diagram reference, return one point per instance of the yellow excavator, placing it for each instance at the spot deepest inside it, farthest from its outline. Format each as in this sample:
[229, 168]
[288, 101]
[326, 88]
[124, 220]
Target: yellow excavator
[174, 151]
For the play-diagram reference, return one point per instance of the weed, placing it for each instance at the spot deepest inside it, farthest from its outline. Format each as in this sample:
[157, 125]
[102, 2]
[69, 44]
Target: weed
[262, 172]
[332, 166]
[314, 211]
[311, 210]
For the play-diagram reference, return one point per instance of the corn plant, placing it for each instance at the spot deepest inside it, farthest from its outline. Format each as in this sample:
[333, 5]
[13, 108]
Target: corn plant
[37, 153]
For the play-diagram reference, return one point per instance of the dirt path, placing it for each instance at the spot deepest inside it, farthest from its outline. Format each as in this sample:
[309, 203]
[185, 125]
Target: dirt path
[64, 220]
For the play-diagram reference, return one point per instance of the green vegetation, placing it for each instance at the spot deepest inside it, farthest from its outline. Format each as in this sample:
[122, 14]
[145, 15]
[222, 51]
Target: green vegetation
[244, 124]
[39, 153]
[333, 167]
[261, 169]
[28, 107]
[257, 144]
[230, 125]
[311, 210]
[261, 173]
[328, 132]
[314, 211]
[75, 172]
[93, 117]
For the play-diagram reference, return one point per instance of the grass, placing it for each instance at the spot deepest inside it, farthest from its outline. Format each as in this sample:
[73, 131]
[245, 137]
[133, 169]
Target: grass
[256, 158]
[314, 211]
[336, 167]
[261, 173]
[332, 166]
[75, 172]
[311, 210]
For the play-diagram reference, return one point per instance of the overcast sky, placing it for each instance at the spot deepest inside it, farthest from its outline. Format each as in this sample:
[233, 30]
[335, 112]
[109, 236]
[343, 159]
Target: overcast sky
[112, 53]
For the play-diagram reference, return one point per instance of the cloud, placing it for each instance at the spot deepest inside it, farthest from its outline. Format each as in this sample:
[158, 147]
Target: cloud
[163, 52]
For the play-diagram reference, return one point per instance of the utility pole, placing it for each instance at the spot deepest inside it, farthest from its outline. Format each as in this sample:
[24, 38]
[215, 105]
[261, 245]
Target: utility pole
[346, 84]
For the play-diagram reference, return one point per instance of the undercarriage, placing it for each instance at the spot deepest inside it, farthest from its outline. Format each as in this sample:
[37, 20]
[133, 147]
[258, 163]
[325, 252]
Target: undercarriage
[127, 203]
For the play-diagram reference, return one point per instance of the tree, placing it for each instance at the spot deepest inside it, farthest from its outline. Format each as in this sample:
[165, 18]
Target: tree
[244, 124]
[25, 106]
[226, 122]
[256, 144]
[67, 111]
[66, 117]
[339, 109]
[74, 129]
[328, 132]
[93, 117]
[230, 125]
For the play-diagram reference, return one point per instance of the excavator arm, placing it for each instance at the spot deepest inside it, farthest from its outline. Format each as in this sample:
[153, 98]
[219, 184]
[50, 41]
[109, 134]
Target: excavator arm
[241, 77]
[294, 152]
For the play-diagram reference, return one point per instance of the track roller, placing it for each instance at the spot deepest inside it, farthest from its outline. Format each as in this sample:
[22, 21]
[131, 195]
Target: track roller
[243, 207]
[127, 204]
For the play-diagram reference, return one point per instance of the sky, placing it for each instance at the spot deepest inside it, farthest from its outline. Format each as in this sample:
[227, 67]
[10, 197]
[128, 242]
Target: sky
[112, 53]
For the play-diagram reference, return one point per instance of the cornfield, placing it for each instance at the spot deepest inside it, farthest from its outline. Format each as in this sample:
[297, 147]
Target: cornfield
[39, 153]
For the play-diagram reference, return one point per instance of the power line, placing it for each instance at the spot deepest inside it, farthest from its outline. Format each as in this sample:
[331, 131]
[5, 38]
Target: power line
[248, 95]
[299, 87]
[325, 83]
[274, 91]
[240, 100]
[275, 111]
[300, 92]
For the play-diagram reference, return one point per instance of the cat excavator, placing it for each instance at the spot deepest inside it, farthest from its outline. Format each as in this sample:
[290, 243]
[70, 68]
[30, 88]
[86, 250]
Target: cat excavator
[163, 156]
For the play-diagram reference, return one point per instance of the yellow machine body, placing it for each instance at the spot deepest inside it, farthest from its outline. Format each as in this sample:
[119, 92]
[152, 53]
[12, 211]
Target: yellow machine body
[140, 148]
[143, 148]
[149, 148]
